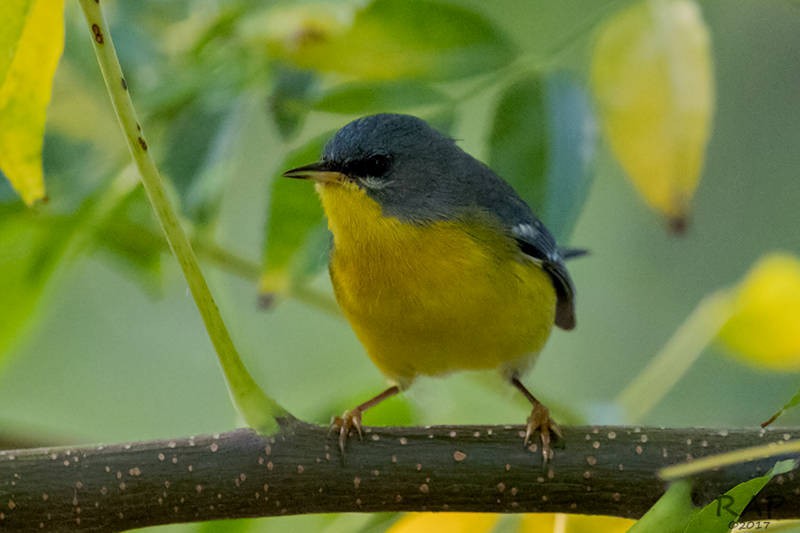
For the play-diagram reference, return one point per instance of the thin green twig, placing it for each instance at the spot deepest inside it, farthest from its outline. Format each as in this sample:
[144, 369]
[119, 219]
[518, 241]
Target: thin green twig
[259, 410]
[232, 263]
[247, 269]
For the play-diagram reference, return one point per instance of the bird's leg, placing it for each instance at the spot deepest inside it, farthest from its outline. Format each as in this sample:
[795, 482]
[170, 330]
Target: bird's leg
[351, 419]
[539, 421]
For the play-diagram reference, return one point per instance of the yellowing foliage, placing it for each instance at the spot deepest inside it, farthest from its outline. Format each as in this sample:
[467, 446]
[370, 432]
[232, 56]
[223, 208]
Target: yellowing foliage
[445, 523]
[529, 523]
[569, 523]
[652, 78]
[764, 328]
[33, 39]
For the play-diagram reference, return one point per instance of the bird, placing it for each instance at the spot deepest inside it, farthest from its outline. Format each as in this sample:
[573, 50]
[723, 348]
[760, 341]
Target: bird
[436, 262]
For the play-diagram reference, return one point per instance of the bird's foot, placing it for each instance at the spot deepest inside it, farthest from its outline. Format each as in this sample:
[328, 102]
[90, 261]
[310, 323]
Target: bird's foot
[548, 430]
[345, 424]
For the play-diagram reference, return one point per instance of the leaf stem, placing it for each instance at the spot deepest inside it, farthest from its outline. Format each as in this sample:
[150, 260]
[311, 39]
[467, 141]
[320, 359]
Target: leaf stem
[676, 357]
[232, 263]
[259, 410]
[744, 455]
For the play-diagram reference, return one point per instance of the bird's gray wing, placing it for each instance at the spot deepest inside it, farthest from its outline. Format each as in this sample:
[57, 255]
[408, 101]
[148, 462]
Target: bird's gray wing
[534, 240]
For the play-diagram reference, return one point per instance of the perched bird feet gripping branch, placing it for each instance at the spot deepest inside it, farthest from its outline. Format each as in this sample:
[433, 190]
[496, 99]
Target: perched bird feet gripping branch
[343, 426]
[540, 421]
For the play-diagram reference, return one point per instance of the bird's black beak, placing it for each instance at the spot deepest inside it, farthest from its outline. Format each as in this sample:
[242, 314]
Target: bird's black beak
[321, 172]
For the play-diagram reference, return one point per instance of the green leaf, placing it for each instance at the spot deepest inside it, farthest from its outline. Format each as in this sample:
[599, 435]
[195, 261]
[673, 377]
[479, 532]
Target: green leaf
[33, 246]
[518, 143]
[289, 102]
[379, 97]
[312, 257]
[131, 237]
[189, 144]
[670, 513]
[573, 143]
[293, 215]
[391, 39]
[226, 152]
[542, 142]
[31, 42]
[717, 515]
[444, 120]
[242, 525]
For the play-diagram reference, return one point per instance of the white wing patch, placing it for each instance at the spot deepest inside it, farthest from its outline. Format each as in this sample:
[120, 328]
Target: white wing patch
[525, 231]
[530, 233]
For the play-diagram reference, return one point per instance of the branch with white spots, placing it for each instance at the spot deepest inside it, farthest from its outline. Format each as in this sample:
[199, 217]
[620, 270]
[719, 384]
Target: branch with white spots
[601, 470]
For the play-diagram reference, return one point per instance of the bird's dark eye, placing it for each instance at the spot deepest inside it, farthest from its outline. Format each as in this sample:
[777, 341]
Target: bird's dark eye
[374, 166]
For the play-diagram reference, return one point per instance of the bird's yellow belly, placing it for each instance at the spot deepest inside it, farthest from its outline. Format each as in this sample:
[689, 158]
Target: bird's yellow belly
[431, 299]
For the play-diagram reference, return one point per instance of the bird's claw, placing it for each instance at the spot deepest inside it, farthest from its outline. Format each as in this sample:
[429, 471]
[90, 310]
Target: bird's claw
[540, 421]
[344, 424]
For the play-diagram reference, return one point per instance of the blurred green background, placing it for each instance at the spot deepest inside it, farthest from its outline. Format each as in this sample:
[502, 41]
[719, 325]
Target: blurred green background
[117, 350]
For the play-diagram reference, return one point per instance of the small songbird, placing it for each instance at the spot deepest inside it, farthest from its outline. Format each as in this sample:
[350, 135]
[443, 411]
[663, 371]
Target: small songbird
[437, 263]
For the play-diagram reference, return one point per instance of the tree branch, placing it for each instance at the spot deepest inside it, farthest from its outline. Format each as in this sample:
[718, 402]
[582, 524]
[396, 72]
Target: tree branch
[602, 470]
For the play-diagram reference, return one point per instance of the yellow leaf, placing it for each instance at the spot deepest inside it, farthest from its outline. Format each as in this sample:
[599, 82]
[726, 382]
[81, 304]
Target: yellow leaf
[652, 78]
[564, 523]
[445, 523]
[30, 46]
[764, 328]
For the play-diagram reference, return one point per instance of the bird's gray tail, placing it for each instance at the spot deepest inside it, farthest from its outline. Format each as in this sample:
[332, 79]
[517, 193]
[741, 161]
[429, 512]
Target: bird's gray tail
[572, 253]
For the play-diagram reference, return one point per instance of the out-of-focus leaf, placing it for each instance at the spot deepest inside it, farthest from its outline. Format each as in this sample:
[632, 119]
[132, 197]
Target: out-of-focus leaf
[378, 97]
[293, 215]
[764, 327]
[31, 43]
[542, 142]
[717, 515]
[221, 160]
[74, 95]
[396, 411]
[443, 120]
[32, 249]
[389, 39]
[312, 257]
[189, 142]
[572, 147]
[518, 144]
[652, 78]
[671, 513]
[207, 148]
[132, 238]
[445, 523]
[213, 31]
[228, 526]
[290, 100]
[568, 523]
[14, 14]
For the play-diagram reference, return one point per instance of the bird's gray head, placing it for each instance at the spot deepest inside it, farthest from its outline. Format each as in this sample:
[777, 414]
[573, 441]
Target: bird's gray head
[413, 171]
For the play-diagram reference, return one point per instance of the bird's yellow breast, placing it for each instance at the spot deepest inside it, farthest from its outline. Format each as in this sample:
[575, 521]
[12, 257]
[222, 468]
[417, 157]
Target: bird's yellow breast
[434, 298]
